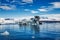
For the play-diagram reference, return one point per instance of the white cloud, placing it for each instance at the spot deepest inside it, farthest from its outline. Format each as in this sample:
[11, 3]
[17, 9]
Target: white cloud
[49, 8]
[56, 4]
[27, 1]
[32, 11]
[6, 7]
[51, 16]
[43, 10]
[54, 16]
[26, 9]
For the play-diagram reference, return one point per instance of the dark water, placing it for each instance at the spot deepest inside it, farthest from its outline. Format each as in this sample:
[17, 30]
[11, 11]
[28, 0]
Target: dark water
[46, 31]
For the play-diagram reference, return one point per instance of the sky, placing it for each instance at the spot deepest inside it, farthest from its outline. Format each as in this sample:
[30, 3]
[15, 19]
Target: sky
[23, 8]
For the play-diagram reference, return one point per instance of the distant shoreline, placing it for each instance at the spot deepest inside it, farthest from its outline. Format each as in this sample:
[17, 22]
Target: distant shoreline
[40, 21]
[51, 21]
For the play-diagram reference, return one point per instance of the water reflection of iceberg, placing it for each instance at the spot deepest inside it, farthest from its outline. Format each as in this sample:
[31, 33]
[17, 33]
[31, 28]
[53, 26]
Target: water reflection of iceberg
[35, 29]
[5, 33]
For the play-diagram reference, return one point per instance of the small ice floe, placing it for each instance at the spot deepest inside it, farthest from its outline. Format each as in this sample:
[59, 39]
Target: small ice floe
[33, 36]
[6, 33]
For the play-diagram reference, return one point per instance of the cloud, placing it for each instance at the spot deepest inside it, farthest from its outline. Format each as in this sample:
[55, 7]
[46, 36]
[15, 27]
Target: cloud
[53, 16]
[50, 17]
[50, 8]
[56, 4]
[33, 11]
[27, 1]
[46, 8]
[45, 16]
[26, 9]
[43, 10]
[7, 7]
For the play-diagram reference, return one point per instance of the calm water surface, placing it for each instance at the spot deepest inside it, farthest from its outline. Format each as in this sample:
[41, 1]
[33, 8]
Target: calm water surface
[46, 31]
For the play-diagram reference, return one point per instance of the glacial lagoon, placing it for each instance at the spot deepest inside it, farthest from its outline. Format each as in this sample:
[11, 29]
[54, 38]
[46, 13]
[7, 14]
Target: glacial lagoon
[46, 31]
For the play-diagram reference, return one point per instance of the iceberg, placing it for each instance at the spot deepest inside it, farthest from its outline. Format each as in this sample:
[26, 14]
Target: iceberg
[6, 33]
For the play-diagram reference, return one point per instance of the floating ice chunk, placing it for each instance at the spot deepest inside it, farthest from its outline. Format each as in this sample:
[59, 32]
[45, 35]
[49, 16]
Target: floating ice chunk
[33, 36]
[5, 33]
